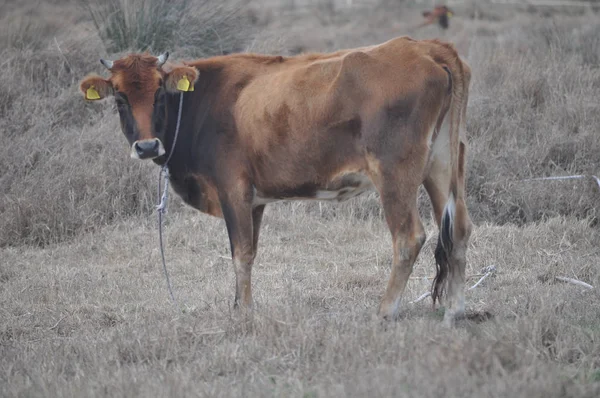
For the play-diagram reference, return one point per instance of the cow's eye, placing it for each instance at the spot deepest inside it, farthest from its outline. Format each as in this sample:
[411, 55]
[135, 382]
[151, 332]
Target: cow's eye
[159, 96]
[121, 101]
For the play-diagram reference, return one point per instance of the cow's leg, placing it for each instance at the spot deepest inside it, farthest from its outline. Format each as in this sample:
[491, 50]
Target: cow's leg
[457, 263]
[257, 214]
[451, 260]
[398, 191]
[238, 216]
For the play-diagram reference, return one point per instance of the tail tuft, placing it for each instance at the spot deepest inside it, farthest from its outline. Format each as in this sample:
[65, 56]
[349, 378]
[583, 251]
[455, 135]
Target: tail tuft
[443, 251]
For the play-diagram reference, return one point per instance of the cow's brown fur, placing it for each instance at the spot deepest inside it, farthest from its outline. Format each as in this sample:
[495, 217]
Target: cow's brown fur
[294, 127]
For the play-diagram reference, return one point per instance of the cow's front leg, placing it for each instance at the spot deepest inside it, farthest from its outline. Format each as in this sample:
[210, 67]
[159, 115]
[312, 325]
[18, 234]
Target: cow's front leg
[238, 214]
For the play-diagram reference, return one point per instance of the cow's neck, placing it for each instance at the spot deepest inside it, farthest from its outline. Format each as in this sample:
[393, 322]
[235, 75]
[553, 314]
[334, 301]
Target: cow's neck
[194, 148]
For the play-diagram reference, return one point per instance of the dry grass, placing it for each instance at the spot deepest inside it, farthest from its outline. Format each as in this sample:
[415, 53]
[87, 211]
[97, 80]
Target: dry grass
[93, 317]
[84, 310]
[198, 28]
[533, 111]
[63, 170]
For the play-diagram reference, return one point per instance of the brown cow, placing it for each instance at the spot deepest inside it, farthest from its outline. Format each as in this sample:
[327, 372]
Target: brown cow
[257, 129]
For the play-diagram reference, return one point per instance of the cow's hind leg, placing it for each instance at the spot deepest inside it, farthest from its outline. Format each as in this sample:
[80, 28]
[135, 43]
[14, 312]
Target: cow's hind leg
[455, 228]
[398, 191]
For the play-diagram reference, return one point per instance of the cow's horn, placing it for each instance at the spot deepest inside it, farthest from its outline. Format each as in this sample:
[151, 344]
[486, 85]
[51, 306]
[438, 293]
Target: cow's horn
[162, 58]
[107, 63]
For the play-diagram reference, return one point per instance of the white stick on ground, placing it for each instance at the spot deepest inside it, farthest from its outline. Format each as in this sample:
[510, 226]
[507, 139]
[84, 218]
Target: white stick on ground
[488, 271]
[574, 282]
[421, 297]
[573, 177]
[544, 3]
[480, 280]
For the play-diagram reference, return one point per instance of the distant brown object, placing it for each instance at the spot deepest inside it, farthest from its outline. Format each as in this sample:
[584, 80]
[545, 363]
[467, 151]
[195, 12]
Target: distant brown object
[440, 14]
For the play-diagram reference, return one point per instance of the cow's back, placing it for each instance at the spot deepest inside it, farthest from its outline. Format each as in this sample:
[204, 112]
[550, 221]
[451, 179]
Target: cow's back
[310, 118]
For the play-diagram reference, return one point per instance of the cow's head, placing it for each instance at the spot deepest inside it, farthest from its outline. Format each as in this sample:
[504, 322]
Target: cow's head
[140, 83]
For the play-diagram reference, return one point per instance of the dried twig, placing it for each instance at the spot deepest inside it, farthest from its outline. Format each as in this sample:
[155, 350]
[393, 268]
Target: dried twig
[62, 53]
[421, 298]
[210, 332]
[574, 282]
[425, 278]
[544, 3]
[481, 273]
[573, 177]
[487, 271]
[56, 324]
[480, 280]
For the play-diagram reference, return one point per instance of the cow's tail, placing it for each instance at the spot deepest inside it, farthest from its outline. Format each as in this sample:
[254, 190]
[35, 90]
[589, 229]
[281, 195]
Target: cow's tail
[443, 251]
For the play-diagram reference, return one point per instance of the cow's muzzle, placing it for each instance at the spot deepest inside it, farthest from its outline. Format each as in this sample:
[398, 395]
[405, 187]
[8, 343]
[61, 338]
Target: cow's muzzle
[147, 149]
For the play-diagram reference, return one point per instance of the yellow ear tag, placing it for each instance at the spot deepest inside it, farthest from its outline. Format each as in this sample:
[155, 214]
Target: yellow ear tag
[183, 84]
[92, 94]
[449, 14]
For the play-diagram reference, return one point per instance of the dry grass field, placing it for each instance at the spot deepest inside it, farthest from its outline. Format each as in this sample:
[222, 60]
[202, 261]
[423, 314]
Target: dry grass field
[84, 309]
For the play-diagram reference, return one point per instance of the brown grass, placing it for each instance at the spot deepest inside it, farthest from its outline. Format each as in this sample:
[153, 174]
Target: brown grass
[93, 317]
[198, 28]
[84, 309]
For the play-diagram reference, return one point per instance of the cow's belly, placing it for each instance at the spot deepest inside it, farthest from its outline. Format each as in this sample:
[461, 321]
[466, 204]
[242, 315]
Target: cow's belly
[341, 189]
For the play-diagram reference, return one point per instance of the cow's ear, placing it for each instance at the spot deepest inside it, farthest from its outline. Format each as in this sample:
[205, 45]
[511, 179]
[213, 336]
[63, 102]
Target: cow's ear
[94, 87]
[181, 78]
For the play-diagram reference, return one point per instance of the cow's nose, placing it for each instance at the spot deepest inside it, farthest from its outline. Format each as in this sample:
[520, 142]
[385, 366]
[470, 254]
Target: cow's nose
[147, 149]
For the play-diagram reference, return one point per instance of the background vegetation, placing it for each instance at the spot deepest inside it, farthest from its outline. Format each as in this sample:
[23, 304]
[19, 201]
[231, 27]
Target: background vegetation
[83, 307]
